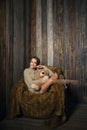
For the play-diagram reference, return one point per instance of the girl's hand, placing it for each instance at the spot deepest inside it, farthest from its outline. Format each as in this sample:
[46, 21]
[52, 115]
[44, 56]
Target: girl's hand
[41, 66]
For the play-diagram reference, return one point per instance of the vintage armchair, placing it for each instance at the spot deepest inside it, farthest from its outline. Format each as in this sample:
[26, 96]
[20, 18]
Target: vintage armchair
[49, 106]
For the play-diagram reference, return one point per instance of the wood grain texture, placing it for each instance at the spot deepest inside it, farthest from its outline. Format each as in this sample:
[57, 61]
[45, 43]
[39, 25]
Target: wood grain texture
[2, 58]
[38, 30]
[62, 30]
[44, 31]
[33, 28]
[49, 33]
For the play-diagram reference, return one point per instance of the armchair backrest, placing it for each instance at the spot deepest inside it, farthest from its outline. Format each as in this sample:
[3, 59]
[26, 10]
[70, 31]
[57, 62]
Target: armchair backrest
[58, 70]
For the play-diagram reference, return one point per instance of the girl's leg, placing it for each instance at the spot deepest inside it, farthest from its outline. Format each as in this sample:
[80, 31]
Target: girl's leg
[48, 83]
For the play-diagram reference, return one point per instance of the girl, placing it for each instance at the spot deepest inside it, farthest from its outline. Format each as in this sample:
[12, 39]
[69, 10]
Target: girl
[29, 76]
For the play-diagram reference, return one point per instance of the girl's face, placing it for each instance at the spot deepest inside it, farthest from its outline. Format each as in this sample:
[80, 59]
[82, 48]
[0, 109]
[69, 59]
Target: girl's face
[33, 63]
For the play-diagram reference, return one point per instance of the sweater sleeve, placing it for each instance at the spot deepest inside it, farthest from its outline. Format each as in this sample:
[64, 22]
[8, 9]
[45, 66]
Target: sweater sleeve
[49, 71]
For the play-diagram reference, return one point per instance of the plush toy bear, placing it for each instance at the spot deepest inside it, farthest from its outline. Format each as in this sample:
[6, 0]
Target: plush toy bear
[43, 76]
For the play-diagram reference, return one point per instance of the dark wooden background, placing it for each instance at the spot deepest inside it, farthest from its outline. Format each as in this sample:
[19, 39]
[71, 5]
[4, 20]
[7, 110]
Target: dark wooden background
[54, 30]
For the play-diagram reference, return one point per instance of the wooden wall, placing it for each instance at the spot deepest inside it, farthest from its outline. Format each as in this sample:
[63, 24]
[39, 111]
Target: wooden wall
[54, 30]
[2, 58]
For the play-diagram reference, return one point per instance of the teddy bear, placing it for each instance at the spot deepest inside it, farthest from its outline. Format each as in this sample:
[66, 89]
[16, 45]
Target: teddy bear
[41, 74]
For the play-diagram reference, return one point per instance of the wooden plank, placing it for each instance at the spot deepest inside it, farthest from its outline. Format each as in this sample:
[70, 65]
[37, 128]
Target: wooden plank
[38, 30]
[49, 33]
[66, 38]
[18, 44]
[60, 39]
[2, 58]
[82, 44]
[9, 48]
[33, 27]
[71, 38]
[55, 35]
[27, 31]
[44, 31]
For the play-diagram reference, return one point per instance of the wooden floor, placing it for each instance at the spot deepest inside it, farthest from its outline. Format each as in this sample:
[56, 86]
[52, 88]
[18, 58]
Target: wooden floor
[76, 121]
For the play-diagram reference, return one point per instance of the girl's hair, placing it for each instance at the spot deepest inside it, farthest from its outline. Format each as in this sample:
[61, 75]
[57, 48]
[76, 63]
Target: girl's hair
[38, 60]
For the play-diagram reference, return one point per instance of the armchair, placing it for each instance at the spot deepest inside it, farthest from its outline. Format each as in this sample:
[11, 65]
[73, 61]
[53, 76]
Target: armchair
[49, 106]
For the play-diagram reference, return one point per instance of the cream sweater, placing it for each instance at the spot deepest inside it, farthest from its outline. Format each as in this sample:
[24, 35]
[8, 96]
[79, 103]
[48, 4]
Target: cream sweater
[29, 78]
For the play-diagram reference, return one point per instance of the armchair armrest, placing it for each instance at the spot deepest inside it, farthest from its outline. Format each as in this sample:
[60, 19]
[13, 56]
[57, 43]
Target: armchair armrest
[57, 70]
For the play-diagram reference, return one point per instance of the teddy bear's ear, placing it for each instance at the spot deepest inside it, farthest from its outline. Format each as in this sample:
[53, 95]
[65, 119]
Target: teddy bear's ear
[47, 73]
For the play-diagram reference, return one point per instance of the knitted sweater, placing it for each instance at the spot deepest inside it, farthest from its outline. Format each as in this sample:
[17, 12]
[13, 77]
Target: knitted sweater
[29, 78]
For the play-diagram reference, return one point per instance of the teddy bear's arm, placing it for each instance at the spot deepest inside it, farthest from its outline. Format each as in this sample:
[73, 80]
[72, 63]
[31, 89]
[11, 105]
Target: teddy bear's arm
[44, 79]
